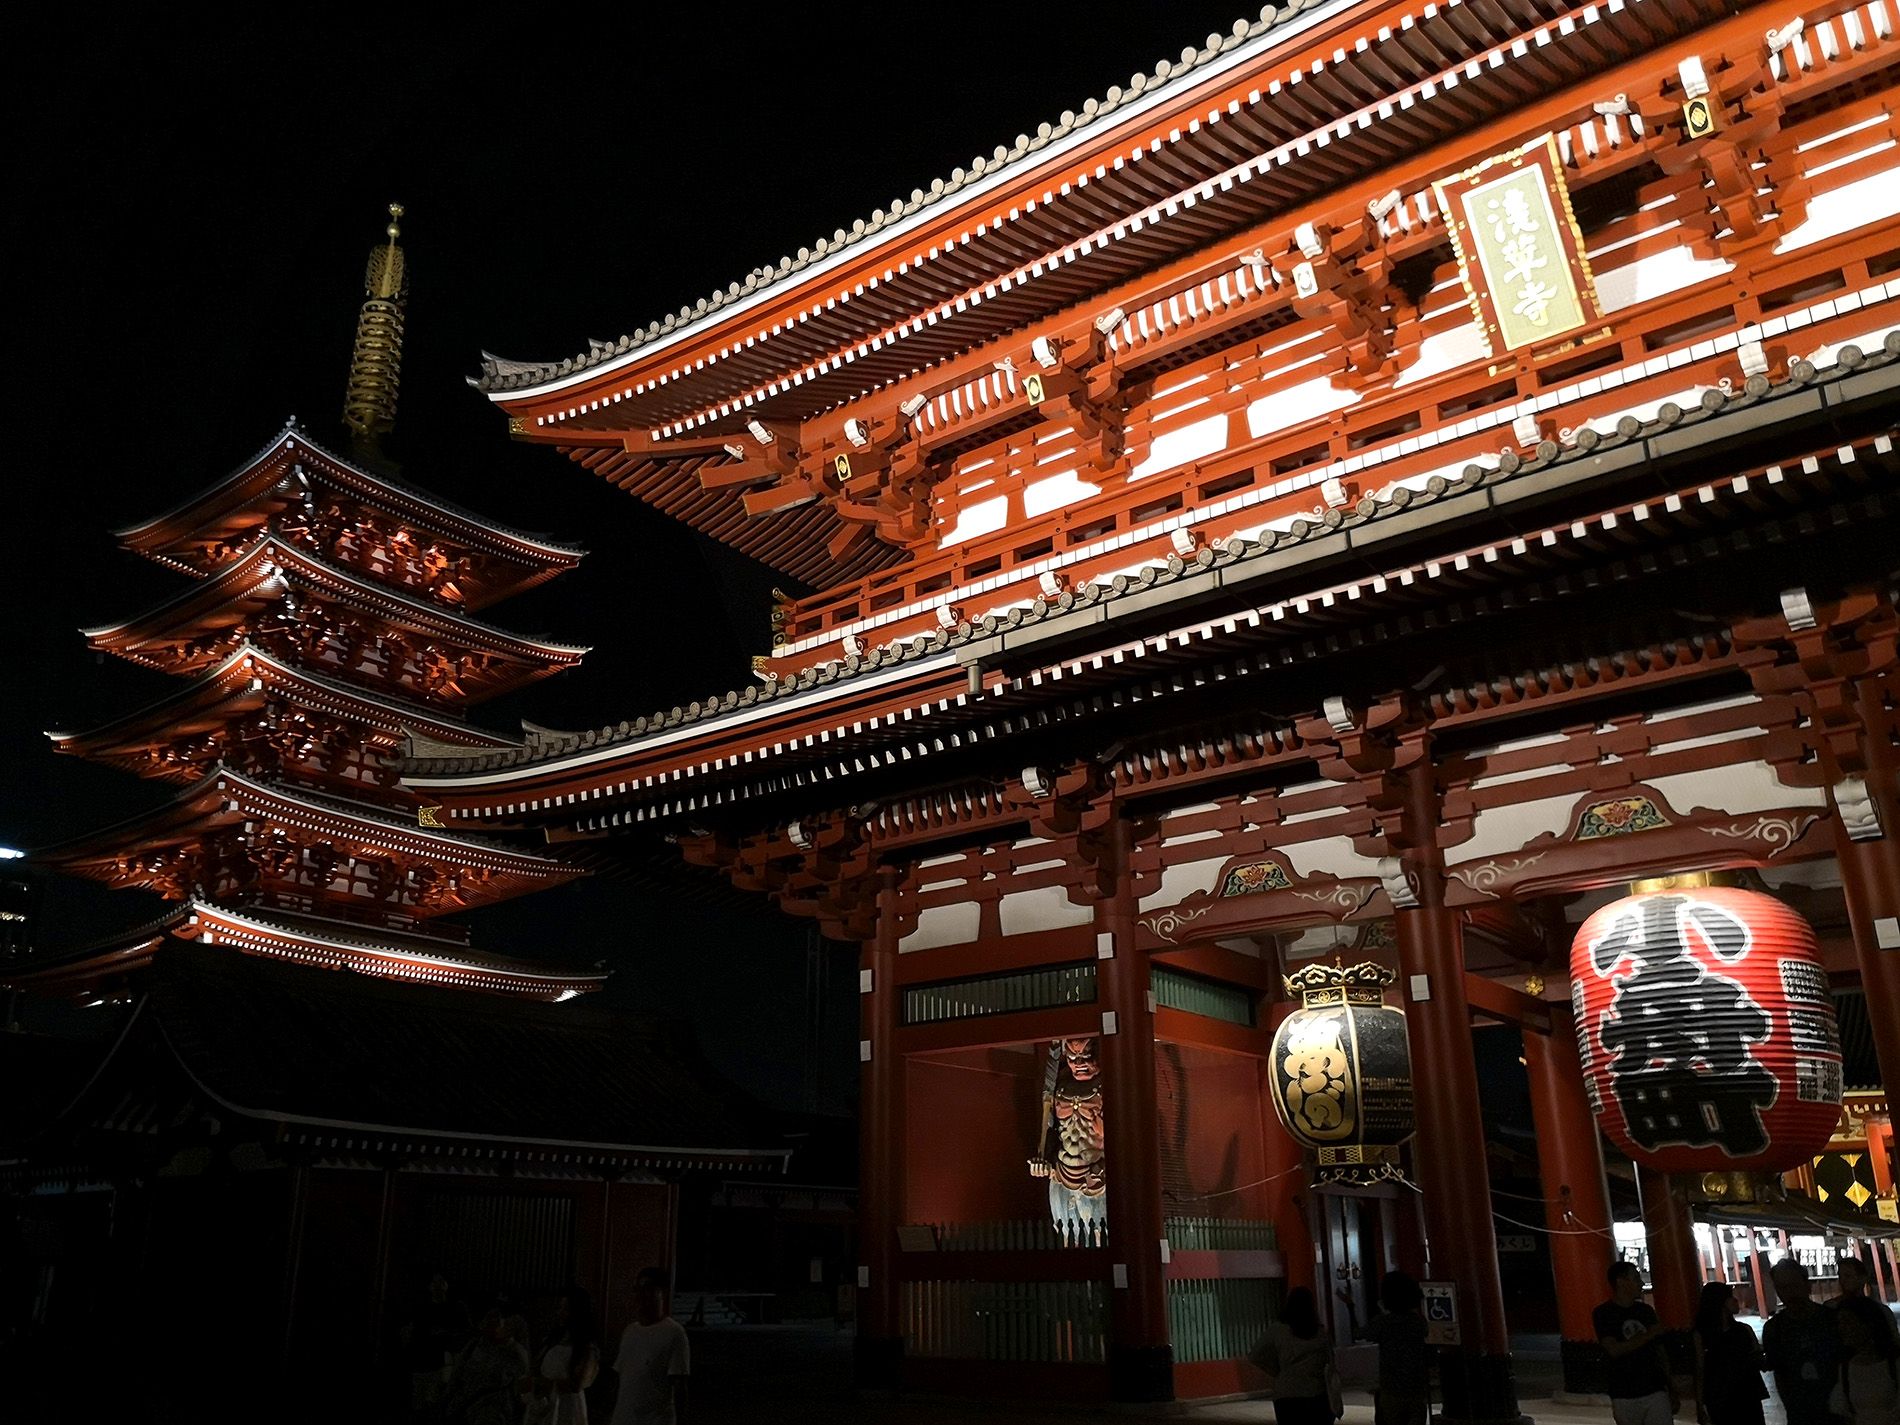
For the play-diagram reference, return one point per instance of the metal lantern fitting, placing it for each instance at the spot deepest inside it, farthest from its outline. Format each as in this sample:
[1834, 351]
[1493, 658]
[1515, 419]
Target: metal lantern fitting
[1707, 1031]
[1342, 1072]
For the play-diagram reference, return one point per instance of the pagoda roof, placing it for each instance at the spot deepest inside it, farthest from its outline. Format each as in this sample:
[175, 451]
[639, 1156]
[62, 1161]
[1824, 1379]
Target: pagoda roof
[237, 685]
[809, 728]
[353, 1066]
[260, 575]
[228, 798]
[317, 941]
[267, 480]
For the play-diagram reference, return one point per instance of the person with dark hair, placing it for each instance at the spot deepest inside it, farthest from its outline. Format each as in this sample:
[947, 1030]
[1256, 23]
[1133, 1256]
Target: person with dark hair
[1635, 1370]
[1404, 1394]
[568, 1364]
[1728, 1384]
[1856, 1282]
[1803, 1346]
[654, 1359]
[482, 1382]
[1867, 1389]
[1297, 1356]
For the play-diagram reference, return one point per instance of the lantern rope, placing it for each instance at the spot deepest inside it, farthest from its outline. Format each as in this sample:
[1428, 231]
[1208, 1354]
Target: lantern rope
[1226, 1192]
[1580, 1230]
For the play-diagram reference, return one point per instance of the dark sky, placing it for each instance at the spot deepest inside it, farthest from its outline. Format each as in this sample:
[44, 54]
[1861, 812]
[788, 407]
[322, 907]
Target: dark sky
[191, 203]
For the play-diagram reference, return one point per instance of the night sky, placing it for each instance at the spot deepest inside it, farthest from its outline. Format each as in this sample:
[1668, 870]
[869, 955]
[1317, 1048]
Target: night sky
[191, 206]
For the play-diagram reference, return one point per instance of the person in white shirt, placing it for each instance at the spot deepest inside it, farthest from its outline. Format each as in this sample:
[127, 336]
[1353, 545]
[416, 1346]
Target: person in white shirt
[654, 1360]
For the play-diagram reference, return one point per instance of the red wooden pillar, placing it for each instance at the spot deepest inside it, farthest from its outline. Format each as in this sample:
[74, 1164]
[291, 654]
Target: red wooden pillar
[880, 1342]
[1577, 1200]
[1675, 1269]
[1141, 1359]
[1870, 883]
[1448, 1152]
[1285, 1166]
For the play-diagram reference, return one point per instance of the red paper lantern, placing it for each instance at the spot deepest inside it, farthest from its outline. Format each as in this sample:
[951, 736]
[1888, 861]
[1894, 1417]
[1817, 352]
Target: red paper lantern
[1707, 1031]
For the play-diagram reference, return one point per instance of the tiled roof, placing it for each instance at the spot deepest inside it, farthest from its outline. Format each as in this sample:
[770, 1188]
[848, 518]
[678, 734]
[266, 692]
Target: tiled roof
[1587, 444]
[1096, 115]
[292, 431]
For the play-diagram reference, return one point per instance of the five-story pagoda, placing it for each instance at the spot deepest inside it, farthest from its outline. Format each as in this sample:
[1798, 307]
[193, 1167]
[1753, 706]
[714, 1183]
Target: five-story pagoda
[333, 619]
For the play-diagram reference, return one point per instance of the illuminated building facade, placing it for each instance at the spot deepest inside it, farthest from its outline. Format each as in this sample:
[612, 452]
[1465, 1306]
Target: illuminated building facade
[1378, 485]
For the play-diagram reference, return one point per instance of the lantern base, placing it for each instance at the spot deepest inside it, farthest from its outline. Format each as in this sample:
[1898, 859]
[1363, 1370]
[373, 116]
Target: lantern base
[1478, 1390]
[1358, 1165]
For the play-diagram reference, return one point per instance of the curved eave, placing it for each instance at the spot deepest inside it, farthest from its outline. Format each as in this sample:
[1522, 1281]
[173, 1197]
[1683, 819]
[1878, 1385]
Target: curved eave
[151, 536]
[224, 797]
[948, 207]
[244, 580]
[216, 690]
[343, 950]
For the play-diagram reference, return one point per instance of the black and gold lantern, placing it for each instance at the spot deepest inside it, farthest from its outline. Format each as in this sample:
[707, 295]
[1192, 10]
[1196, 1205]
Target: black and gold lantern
[1342, 1072]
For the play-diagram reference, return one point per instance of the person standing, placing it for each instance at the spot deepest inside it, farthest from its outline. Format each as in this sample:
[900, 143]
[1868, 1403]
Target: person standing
[654, 1360]
[1297, 1356]
[1636, 1372]
[1802, 1344]
[1404, 1395]
[1728, 1384]
[1867, 1389]
[569, 1362]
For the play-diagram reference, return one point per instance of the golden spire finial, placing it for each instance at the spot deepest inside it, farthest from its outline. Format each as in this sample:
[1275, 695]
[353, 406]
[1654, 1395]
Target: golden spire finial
[369, 404]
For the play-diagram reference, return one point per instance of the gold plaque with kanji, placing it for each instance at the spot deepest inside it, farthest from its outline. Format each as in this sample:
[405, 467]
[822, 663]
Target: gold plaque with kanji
[1518, 247]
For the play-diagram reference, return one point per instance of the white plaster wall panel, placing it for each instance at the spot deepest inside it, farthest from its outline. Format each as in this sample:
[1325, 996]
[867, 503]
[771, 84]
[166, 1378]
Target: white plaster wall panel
[1178, 447]
[980, 518]
[1713, 739]
[1181, 881]
[1657, 275]
[942, 925]
[1444, 351]
[1046, 908]
[1332, 856]
[1752, 786]
[1297, 405]
[1841, 210]
[1197, 809]
[1693, 709]
[1507, 828]
[1054, 492]
[1188, 838]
